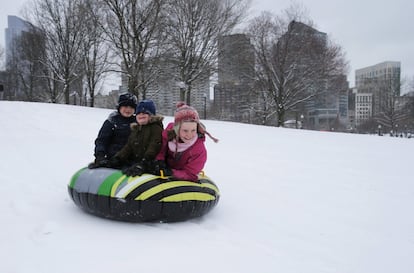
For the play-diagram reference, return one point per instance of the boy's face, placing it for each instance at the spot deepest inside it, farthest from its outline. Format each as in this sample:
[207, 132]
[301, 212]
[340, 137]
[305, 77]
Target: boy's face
[126, 111]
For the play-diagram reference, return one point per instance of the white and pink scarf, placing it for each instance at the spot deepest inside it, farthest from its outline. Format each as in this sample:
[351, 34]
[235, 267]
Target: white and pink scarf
[179, 147]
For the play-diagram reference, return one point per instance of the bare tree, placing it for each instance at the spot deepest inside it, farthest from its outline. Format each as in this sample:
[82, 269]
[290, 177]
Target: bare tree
[62, 22]
[1, 57]
[95, 50]
[133, 29]
[410, 105]
[25, 68]
[194, 27]
[295, 62]
[392, 108]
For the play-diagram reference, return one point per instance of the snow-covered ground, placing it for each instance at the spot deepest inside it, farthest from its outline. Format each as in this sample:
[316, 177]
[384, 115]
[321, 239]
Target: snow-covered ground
[292, 201]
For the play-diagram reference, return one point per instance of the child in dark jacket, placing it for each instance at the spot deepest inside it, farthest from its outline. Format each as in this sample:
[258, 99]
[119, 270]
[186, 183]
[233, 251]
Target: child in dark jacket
[144, 142]
[115, 131]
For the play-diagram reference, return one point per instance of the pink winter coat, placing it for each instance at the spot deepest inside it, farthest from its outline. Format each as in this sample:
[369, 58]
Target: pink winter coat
[187, 164]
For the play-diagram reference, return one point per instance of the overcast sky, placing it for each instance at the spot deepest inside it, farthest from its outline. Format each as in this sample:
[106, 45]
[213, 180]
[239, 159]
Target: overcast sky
[369, 31]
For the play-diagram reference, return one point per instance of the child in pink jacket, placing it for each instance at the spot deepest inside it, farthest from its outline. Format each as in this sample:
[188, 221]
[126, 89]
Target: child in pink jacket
[183, 153]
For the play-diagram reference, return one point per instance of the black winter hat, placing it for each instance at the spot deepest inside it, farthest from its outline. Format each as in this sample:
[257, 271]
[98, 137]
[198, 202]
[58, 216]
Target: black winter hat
[127, 99]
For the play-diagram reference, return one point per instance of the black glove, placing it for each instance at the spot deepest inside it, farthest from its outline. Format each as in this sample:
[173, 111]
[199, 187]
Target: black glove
[114, 162]
[98, 163]
[158, 166]
[134, 170]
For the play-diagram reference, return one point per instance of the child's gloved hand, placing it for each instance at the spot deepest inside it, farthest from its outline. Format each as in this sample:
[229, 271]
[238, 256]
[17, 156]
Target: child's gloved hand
[160, 165]
[134, 170]
[98, 163]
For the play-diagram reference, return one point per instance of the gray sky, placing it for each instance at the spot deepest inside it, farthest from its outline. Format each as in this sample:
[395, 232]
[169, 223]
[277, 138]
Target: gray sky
[369, 31]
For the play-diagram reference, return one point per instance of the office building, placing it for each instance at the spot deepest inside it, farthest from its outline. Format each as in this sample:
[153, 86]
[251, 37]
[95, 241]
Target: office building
[328, 108]
[15, 27]
[381, 81]
[233, 97]
[164, 90]
[363, 107]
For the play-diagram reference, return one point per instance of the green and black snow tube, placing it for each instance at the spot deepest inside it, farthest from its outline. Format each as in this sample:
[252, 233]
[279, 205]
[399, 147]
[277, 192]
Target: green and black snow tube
[110, 194]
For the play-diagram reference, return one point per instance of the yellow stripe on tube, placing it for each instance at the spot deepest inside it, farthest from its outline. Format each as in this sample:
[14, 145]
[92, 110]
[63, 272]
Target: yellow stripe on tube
[189, 196]
[133, 183]
[210, 186]
[165, 186]
[116, 184]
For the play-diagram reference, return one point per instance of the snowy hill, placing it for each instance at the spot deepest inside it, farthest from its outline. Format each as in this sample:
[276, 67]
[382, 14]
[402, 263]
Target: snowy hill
[292, 201]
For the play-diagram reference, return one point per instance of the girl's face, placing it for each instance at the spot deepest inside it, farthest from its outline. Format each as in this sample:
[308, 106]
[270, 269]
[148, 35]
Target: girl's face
[188, 130]
[126, 111]
[142, 118]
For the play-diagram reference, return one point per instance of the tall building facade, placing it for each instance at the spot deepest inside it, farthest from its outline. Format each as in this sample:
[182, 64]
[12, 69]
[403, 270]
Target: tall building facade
[23, 47]
[233, 96]
[165, 90]
[3, 81]
[379, 81]
[15, 27]
[328, 109]
[363, 108]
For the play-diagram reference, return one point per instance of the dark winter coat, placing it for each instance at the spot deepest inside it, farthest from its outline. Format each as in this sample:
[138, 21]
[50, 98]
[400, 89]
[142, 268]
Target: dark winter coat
[113, 135]
[144, 142]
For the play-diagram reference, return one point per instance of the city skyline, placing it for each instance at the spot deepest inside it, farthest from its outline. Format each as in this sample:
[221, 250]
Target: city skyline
[369, 32]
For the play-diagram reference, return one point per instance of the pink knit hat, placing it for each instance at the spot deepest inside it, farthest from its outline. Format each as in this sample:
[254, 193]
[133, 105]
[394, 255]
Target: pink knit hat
[185, 113]
[188, 113]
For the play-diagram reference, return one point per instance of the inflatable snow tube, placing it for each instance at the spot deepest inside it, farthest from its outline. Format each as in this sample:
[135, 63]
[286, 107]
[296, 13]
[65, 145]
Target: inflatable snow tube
[110, 194]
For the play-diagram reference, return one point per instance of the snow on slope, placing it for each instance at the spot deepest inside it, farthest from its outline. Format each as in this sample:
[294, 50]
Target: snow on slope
[292, 201]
